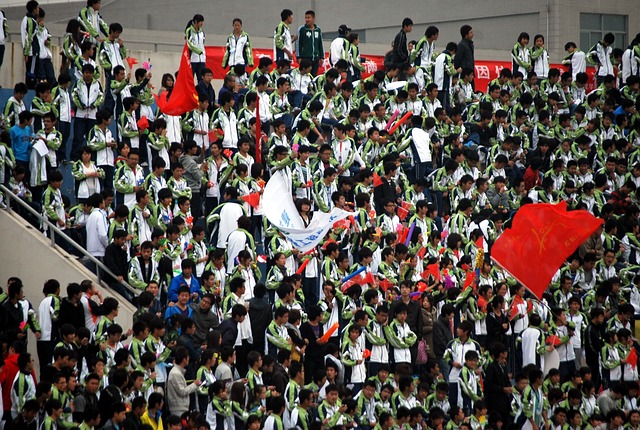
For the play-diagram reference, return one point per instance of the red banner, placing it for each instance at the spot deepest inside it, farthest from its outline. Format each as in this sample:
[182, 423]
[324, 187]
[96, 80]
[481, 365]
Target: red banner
[485, 72]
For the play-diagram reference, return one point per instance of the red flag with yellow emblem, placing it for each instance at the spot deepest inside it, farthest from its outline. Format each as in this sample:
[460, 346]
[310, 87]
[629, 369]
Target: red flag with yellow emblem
[540, 239]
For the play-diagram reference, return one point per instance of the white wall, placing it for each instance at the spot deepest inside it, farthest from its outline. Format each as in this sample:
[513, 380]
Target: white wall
[28, 254]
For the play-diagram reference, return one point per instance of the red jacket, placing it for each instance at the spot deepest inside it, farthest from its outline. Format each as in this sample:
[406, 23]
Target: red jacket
[531, 178]
[7, 375]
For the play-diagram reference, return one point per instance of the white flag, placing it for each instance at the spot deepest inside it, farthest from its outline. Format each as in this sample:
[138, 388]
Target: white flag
[282, 213]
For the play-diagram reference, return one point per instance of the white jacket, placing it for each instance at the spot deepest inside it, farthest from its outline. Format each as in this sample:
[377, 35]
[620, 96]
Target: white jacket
[87, 98]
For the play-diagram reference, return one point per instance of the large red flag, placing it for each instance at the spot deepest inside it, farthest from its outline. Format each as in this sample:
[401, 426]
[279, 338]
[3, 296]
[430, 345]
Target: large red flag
[542, 236]
[184, 97]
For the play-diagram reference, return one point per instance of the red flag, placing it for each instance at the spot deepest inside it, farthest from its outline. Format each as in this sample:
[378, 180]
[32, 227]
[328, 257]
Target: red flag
[258, 132]
[553, 340]
[632, 358]
[541, 238]
[422, 252]
[402, 213]
[482, 304]
[366, 354]
[433, 270]
[350, 283]
[366, 279]
[184, 97]
[468, 281]
[385, 284]
[421, 286]
[253, 199]
[376, 180]
[131, 62]
[480, 242]
[143, 123]
[513, 310]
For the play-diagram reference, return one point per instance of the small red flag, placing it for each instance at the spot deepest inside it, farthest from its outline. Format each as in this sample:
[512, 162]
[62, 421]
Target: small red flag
[432, 270]
[253, 199]
[553, 340]
[632, 358]
[366, 279]
[468, 281]
[184, 97]
[513, 310]
[377, 181]
[350, 283]
[422, 252]
[385, 284]
[366, 354]
[542, 236]
[132, 62]
[143, 123]
[402, 213]
[482, 304]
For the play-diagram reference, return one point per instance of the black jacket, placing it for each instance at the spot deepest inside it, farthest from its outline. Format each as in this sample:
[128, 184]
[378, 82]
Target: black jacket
[70, 314]
[400, 49]
[441, 336]
[115, 258]
[260, 315]
[386, 191]
[496, 378]
[464, 55]
[228, 333]
[593, 343]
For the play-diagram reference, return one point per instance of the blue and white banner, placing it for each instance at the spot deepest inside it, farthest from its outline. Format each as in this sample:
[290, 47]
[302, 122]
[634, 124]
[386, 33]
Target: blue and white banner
[281, 211]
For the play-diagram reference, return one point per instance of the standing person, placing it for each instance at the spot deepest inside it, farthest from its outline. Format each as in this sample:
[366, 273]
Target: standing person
[424, 54]
[282, 38]
[340, 45]
[400, 54]
[238, 50]
[97, 227]
[195, 39]
[575, 59]
[48, 312]
[92, 22]
[309, 44]
[464, 53]
[540, 57]
[29, 42]
[178, 392]
[443, 72]
[87, 96]
[520, 55]
[600, 56]
[498, 390]
[4, 32]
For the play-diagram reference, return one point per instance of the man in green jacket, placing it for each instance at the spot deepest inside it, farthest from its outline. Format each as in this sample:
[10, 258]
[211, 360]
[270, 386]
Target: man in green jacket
[310, 42]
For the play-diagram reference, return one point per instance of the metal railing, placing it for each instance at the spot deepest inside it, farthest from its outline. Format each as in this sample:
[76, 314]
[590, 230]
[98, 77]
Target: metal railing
[101, 269]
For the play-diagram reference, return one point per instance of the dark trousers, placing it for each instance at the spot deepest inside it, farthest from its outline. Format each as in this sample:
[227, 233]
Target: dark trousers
[210, 204]
[81, 128]
[196, 206]
[32, 69]
[1, 55]
[310, 290]
[65, 129]
[45, 352]
[45, 72]
[197, 70]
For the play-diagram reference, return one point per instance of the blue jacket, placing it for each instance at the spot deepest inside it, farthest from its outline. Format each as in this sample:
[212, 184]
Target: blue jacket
[176, 282]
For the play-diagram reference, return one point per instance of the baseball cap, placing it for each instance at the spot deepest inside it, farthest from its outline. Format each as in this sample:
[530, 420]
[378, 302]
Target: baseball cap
[344, 28]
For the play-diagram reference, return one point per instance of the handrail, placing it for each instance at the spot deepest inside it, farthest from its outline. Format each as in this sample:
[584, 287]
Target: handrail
[100, 267]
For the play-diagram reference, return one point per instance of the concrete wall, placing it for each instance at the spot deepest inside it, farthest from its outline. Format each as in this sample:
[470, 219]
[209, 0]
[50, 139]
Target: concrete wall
[28, 254]
[155, 27]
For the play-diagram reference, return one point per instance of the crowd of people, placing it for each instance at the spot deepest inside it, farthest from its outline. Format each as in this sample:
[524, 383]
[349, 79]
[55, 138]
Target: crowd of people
[432, 335]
